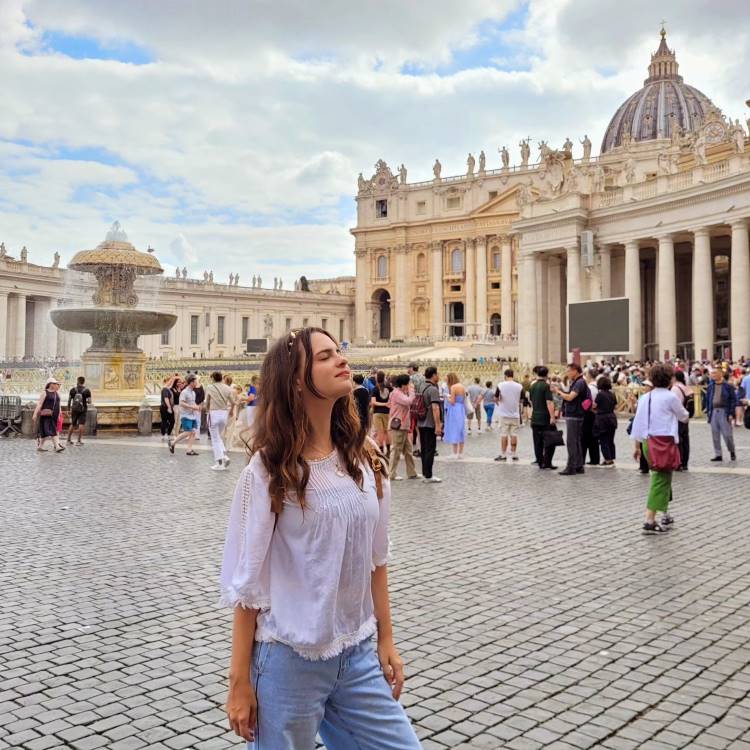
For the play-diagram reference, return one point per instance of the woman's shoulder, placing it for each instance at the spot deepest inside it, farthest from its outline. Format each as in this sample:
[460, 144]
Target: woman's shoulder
[255, 469]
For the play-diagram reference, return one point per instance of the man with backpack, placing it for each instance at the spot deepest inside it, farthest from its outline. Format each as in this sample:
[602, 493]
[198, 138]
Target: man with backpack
[687, 399]
[78, 404]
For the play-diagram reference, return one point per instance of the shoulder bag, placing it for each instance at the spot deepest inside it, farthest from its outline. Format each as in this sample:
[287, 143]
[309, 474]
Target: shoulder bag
[663, 452]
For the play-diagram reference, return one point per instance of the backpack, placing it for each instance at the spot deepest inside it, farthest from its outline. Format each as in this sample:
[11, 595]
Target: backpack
[418, 408]
[689, 403]
[78, 404]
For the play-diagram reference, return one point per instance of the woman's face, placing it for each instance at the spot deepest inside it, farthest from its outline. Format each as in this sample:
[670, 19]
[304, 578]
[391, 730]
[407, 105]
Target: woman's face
[331, 375]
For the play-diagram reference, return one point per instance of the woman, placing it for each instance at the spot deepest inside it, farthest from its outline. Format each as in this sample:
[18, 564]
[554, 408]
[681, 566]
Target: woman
[454, 433]
[305, 567]
[166, 408]
[177, 385]
[251, 404]
[605, 419]
[657, 415]
[399, 405]
[489, 400]
[380, 412]
[219, 401]
[684, 393]
[46, 414]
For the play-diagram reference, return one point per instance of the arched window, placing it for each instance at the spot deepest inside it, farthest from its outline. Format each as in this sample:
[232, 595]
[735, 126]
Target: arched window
[457, 260]
[421, 264]
[421, 317]
[382, 267]
[495, 259]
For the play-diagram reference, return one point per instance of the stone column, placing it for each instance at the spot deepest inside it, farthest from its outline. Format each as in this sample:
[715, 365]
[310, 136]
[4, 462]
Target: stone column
[605, 258]
[633, 293]
[740, 289]
[481, 306]
[470, 315]
[506, 287]
[703, 294]
[4, 325]
[401, 328]
[527, 311]
[666, 316]
[19, 349]
[50, 330]
[360, 299]
[436, 303]
[555, 313]
[573, 254]
[41, 315]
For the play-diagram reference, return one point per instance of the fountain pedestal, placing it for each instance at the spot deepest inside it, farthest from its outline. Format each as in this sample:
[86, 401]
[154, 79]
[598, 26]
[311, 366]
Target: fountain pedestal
[116, 376]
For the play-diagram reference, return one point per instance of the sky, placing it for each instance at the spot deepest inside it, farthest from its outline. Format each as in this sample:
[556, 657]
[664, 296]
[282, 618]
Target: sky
[229, 135]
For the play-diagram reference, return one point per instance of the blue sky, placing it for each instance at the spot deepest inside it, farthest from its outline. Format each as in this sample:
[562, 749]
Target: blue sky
[223, 136]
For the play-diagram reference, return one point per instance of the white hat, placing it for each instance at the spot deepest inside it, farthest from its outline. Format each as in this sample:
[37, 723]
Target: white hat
[52, 381]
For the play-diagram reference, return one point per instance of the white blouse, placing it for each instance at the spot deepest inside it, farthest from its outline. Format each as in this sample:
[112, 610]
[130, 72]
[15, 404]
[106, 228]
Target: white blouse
[666, 411]
[309, 576]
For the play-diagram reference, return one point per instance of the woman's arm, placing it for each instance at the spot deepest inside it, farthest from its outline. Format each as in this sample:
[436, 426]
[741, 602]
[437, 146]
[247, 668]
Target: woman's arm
[242, 704]
[452, 394]
[390, 661]
[38, 406]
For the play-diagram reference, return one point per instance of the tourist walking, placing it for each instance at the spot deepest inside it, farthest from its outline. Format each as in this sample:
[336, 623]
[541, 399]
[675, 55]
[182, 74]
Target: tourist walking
[474, 395]
[200, 398]
[219, 401]
[189, 417]
[455, 416]
[508, 396]
[574, 401]
[78, 406]
[488, 402]
[401, 399]
[430, 425]
[720, 403]
[304, 567]
[656, 434]
[687, 399]
[380, 411]
[166, 409]
[605, 419]
[417, 381]
[362, 400]
[46, 414]
[542, 417]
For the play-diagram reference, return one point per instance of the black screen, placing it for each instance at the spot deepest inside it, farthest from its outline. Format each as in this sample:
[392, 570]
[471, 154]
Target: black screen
[599, 326]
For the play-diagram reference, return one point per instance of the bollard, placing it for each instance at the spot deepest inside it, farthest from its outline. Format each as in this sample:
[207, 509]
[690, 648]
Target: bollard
[28, 426]
[145, 419]
[90, 426]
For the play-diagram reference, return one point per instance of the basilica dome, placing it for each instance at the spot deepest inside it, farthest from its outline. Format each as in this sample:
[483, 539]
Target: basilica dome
[663, 103]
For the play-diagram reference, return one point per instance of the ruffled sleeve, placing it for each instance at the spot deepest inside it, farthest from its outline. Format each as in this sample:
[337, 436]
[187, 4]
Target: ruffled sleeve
[381, 545]
[245, 570]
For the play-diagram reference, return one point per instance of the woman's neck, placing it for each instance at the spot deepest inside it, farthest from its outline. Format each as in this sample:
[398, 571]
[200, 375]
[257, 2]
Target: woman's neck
[319, 412]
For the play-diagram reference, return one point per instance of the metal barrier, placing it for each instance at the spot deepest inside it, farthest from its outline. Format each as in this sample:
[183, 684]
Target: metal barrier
[10, 415]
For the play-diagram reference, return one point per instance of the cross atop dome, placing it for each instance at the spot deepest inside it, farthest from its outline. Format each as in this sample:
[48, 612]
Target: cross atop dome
[664, 66]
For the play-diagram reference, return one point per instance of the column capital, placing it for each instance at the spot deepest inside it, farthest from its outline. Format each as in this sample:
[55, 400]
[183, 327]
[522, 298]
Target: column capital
[666, 237]
[436, 246]
[468, 241]
[481, 240]
[701, 231]
[739, 223]
[360, 252]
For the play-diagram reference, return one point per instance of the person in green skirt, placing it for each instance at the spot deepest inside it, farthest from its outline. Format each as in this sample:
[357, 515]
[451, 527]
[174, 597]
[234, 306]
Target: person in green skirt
[658, 414]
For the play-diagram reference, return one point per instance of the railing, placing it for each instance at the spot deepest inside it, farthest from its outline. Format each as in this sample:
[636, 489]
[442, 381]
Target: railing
[645, 190]
[716, 171]
[608, 198]
[680, 181]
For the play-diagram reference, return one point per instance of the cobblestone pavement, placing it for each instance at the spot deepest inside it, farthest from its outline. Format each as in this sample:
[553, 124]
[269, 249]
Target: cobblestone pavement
[529, 609]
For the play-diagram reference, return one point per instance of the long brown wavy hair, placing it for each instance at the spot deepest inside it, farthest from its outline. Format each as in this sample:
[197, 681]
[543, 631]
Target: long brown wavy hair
[282, 428]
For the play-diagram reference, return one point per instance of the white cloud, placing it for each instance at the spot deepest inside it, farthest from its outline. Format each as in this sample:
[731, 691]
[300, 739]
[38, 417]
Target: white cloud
[240, 145]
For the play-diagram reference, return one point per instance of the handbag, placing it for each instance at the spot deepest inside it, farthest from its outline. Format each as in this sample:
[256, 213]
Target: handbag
[553, 437]
[663, 452]
[395, 423]
[45, 413]
[468, 408]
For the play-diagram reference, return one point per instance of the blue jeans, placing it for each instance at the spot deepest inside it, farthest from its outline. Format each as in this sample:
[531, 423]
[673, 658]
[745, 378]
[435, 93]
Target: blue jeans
[346, 699]
[489, 410]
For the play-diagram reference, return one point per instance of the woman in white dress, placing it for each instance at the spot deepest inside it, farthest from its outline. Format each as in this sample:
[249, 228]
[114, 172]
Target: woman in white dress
[305, 567]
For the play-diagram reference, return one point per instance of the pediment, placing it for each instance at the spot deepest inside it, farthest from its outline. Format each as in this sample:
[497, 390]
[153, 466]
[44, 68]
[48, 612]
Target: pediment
[504, 203]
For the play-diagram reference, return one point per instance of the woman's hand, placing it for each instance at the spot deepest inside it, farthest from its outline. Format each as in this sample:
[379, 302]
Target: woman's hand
[637, 452]
[242, 709]
[392, 666]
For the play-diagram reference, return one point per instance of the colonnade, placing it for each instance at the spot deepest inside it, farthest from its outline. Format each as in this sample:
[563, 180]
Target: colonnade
[25, 326]
[534, 265]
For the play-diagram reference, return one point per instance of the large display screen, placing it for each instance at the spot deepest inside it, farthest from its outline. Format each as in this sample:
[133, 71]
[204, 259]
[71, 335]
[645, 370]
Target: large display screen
[257, 346]
[599, 326]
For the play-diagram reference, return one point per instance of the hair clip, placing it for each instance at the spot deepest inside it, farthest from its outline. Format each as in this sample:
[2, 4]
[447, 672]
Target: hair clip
[292, 336]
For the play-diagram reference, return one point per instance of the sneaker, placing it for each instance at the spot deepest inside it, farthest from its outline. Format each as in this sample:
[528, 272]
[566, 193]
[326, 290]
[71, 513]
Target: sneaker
[666, 520]
[416, 476]
[218, 467]
[432, 480]
[397, 479]
[732, 456]
[226, 460]
[79, 443]
[501, 457]
[514, 458]
[416, 453]
[171, 446]
[567, 473]
[581, 470]
[716, 458]
[653, 528]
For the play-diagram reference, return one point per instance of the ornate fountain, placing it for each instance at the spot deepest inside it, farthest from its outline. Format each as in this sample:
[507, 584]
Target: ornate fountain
[114, 366]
